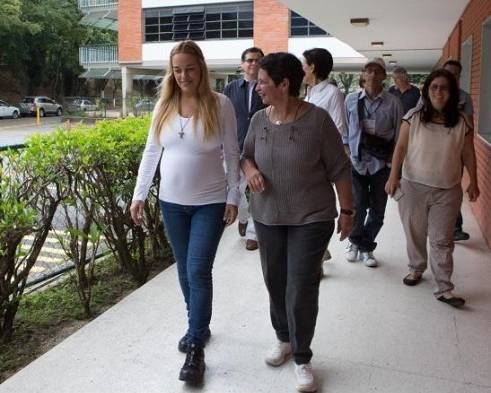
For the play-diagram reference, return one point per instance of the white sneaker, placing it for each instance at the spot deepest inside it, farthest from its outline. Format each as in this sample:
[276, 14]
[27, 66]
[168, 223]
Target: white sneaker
[368, 259]
[305, 378]
[278, 353]
[351, 252]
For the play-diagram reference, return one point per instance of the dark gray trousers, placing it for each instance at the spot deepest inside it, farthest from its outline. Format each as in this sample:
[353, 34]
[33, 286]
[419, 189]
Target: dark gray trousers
[291, 259]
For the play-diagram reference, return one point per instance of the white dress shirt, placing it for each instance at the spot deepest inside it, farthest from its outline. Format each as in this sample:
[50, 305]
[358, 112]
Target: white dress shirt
[192, 170]
[329, 98]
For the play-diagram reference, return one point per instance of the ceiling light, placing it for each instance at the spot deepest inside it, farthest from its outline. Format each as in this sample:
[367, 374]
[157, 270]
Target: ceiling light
[392, 62]
[377, 43]
[359, 22]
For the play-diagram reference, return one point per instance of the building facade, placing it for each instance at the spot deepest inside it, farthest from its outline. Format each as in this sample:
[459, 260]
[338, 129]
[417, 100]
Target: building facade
[470, 43]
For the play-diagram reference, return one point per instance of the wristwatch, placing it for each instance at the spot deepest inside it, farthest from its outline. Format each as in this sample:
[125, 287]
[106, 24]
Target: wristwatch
[347, 212]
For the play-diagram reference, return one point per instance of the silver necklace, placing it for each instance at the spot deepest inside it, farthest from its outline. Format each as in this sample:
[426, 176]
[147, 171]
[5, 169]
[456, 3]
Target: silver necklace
[183, 126]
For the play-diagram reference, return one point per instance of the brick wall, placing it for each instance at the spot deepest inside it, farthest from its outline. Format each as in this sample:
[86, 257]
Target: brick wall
[474, 15]
[130, 36]
[271, 26]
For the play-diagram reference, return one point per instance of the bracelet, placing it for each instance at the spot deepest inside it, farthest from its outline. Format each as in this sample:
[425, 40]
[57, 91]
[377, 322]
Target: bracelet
[347, 212]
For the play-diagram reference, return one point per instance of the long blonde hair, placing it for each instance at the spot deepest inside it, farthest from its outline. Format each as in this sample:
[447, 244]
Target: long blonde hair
[168, 104]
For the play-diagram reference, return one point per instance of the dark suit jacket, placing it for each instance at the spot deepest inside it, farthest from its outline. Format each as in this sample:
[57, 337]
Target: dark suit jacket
[237, 91]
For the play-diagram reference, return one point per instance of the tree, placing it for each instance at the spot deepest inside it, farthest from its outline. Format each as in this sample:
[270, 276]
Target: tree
[40, 41]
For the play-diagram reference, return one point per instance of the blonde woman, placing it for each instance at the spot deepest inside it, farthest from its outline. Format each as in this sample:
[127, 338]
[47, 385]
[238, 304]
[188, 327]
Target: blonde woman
[194, 130]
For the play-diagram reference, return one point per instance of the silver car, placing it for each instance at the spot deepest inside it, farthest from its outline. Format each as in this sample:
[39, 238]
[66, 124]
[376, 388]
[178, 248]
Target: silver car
[7, 110]
[46, 105]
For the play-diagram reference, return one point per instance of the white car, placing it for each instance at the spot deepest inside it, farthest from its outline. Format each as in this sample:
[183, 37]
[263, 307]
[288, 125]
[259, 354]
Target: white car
[86, 105]
[7, 110]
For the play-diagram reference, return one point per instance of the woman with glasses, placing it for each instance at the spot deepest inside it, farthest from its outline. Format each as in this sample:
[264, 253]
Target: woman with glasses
[193, 130]
[435, 141]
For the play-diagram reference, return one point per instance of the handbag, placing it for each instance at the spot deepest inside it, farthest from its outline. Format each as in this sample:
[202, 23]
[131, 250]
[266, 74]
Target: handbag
[374, 145]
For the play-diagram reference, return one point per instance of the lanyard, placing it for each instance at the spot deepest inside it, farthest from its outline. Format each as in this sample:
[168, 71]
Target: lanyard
[370, 114]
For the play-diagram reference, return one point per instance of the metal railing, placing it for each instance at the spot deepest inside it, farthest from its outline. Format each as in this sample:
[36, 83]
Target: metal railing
[86, 4]
[103, 54]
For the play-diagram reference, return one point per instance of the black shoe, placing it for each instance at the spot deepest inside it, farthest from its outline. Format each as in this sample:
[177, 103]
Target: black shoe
[194, 367]
[452, 301]
[183, 343]
[242, 229]
[412, 279]
[460, 235]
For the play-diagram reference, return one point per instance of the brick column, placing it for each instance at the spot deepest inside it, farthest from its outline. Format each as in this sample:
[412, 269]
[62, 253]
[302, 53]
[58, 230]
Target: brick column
[130, 35]
[271, 26]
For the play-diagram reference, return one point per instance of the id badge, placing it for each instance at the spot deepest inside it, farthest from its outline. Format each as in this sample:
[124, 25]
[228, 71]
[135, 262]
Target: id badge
[369, 126]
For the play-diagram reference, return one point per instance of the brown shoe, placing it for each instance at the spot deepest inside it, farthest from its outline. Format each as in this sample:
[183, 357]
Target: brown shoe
[242, 229]
[251, 245]
[412, 279]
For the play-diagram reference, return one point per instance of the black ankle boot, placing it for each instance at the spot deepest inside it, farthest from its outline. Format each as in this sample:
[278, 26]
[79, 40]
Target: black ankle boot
[183, 343]
[194, 367]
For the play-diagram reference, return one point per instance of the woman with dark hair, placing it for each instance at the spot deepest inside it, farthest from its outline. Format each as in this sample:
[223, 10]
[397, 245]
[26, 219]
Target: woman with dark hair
[194, 131]
[317, 64]
[292, 155]
[435, 141]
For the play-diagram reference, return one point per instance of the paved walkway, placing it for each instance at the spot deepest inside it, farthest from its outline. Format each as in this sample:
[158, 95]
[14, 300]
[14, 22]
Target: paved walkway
[373, 333]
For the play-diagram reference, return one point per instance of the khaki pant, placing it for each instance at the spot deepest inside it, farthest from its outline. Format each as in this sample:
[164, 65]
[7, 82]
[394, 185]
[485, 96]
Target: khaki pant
[428, 212]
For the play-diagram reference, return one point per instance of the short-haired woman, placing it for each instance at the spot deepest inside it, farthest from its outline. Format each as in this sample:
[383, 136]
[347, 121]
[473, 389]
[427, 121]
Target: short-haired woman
[435, 141]
[194, 130]
[292, 155]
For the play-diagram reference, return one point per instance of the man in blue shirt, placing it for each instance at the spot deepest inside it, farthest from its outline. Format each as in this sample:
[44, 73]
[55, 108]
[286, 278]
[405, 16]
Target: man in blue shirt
[408, 93]
[373, 121]
[246, 102]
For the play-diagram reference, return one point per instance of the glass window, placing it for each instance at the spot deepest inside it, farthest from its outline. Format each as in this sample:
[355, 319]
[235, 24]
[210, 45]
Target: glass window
[214, 21]
[302, 27]
[229, 34]
[151, 21]
[212, 34]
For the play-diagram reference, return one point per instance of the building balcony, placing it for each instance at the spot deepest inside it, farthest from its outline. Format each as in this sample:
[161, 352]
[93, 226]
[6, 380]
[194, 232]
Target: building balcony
[98, 55]
[100, 13]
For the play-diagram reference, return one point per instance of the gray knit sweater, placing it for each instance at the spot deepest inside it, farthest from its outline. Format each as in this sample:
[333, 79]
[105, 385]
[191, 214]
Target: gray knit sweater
[299, 162]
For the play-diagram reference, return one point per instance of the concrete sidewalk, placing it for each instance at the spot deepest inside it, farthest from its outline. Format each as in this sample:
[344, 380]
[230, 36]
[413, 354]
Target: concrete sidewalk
[373, 334]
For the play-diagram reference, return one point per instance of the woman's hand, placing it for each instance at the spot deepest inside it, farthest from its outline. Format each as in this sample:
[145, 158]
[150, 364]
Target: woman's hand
[472, 192]
[230, 214]
[136, 211]
[391, 185]
[345, 224]
[255, 180]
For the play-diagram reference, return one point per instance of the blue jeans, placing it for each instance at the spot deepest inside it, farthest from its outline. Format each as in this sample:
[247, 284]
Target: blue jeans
[194, 233]
[370, 200]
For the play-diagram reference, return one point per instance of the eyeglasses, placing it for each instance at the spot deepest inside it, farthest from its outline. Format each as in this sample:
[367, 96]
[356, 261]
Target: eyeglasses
[250, 61]
[435, 88]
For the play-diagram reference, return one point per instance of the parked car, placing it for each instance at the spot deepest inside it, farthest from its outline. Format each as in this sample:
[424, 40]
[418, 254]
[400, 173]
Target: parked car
[7, 110]
[86, 105]
[46, 105]
[143, 106]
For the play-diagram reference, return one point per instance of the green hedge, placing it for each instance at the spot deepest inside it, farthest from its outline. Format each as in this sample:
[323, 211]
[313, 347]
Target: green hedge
[87, 175]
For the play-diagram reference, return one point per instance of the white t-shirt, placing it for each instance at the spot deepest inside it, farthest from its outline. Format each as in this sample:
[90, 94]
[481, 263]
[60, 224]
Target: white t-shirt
[193, 171]
[329, 98]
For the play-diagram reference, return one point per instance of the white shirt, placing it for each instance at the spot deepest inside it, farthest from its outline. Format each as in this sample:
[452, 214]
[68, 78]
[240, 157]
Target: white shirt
[192, 170]
[329, 98]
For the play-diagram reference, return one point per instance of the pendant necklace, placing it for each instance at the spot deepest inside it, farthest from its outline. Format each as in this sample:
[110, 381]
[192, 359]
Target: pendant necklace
[183, 126]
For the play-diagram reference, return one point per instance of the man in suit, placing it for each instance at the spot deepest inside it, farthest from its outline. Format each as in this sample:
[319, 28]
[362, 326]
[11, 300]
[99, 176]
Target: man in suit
[246, 102]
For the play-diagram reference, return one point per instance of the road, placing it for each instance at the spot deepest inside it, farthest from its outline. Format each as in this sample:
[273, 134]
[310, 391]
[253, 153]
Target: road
[16, 131]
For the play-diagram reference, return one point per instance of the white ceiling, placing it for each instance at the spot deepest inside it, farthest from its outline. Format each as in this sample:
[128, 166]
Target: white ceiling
[413, 31]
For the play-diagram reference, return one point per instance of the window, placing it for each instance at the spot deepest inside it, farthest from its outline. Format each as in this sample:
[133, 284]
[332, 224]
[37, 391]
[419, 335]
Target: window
[199, 23]
[485, 82]
[466, 60]
[301, 27]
